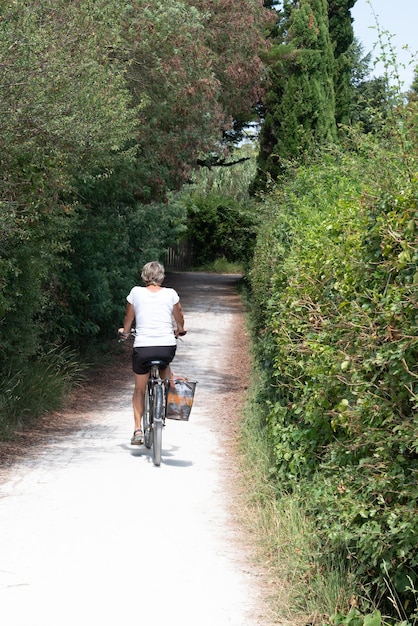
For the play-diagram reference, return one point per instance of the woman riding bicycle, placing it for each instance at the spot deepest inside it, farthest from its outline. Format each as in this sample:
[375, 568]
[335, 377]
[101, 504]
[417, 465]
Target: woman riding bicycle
[153, 308]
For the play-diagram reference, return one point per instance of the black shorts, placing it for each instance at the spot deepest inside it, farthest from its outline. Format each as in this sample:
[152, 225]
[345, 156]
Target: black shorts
[142, 356]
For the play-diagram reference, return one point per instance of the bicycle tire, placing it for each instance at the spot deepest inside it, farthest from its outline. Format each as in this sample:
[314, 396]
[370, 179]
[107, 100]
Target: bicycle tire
[147, 419]
[157, 423]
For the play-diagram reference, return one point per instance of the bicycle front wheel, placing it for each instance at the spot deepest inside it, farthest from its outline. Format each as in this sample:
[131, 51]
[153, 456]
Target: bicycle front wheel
[157, 423]
[146, 419]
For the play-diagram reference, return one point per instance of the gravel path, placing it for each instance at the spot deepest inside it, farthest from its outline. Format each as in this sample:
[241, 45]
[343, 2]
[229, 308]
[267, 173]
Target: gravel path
[92, 533]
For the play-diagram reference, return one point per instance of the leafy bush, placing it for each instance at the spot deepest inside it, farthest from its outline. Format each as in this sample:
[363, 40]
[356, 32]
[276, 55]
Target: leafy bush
[66, 110]
[37, 389]
[335, 289]
[220, 227]
[115, 236]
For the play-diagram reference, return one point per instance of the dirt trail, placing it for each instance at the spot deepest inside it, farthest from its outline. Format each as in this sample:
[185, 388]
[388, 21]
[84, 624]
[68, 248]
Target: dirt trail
[92, 533]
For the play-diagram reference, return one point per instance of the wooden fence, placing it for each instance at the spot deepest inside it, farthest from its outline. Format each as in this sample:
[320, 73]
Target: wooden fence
[179, 258]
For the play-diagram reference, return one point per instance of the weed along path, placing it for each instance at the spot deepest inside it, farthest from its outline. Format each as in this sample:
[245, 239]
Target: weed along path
[92, 533]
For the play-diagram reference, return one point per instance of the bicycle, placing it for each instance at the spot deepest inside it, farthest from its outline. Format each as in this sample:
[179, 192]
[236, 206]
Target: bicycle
[155, 406]
[155, 409]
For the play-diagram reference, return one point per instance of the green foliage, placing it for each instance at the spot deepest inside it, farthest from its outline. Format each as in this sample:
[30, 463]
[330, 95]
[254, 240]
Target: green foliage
[105, 108]
[112, 242]
[38, 388]
[300, 99]
[342, 36]
[236, 40]
[170, 76]
[355, 618]
[65, 108]
[305, 586]
[220, 227]
[414, 86]
[335, 289]
[231, 178]
[31, 246]
[194, 67]
[223, 266]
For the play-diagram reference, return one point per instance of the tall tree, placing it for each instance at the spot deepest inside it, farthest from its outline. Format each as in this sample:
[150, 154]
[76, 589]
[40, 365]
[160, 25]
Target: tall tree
[370, 97]
[195, 68]
[170, 77]
[236, 39]
[64, 111]
[300, 101]
[342, 36]
[105, 106]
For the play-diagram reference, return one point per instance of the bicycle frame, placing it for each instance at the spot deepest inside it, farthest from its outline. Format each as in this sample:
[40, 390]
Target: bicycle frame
[155, 410]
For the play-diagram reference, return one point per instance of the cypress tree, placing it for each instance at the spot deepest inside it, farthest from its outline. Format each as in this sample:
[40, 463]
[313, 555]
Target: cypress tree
[342, 36]
[300, 101]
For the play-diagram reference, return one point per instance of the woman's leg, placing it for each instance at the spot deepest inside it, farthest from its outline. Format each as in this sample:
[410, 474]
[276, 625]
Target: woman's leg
[138, 398]
[166, 373]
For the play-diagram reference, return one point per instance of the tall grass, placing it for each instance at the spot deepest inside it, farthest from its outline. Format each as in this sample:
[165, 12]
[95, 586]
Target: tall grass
[223, 266]
[41, 387]
[302, 587]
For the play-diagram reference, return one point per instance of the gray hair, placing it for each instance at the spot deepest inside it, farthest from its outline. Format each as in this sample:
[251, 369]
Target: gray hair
[153, 273]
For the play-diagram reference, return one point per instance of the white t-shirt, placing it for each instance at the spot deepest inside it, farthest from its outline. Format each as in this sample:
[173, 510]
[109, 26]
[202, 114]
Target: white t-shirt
[153, 316]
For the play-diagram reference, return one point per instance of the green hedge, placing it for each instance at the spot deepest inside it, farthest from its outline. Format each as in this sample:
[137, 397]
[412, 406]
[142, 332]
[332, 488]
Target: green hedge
[219, 226]
[334, 287]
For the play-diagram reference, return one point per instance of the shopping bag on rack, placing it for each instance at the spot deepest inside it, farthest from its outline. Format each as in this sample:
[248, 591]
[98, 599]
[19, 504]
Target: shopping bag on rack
[180, 397]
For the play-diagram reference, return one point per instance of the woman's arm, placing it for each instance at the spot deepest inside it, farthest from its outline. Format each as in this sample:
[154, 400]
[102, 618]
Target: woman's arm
[178, 317]
[129, 318]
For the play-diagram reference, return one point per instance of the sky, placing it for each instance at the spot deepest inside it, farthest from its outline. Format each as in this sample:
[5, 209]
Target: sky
[399, 18]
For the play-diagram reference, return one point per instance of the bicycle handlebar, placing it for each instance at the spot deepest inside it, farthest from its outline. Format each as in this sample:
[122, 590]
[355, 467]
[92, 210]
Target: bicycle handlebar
[122, 335]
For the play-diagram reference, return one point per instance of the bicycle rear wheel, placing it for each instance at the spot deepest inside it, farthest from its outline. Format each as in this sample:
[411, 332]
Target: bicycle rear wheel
[157, 423]
[146, 419]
